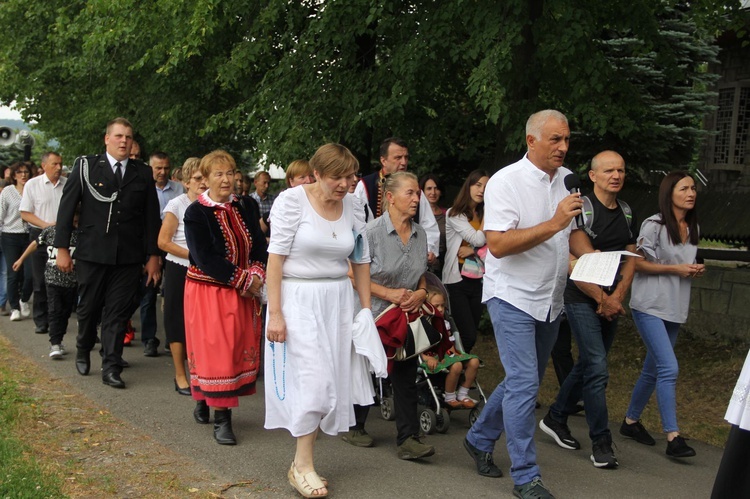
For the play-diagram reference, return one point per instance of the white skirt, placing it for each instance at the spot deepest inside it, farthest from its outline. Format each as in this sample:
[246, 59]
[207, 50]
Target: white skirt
[311, 387]
[738, 412]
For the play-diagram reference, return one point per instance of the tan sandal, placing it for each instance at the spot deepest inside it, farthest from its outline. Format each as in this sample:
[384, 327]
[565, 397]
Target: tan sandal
[468, 403]
[306, 484]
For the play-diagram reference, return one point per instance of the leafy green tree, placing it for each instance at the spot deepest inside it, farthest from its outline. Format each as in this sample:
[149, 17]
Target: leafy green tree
[457, 79]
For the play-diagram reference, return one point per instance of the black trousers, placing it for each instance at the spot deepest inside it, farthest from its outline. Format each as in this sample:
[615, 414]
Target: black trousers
[733, 478]
[61, 301]
[466, 309]
[107, 291]
[173, 285]
[403, 379]
[562, 356]
[38, 263]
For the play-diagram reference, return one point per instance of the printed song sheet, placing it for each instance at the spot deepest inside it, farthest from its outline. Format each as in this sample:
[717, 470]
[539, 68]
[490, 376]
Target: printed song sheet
[599, 268]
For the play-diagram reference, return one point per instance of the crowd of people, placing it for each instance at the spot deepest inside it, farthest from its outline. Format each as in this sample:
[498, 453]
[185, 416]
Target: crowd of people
[303, 285]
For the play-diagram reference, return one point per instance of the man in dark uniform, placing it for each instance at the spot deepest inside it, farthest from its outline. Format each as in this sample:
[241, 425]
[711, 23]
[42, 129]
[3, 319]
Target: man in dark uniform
[119, 226]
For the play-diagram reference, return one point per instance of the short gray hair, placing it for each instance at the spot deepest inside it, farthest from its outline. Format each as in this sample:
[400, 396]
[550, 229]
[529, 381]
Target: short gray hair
[537, 120]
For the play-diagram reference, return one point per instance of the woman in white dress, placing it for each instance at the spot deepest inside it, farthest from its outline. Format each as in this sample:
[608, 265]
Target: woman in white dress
[733, 477]
[311, 309]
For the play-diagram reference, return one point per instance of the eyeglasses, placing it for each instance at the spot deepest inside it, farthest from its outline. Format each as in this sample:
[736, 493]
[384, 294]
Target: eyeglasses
[23, 172]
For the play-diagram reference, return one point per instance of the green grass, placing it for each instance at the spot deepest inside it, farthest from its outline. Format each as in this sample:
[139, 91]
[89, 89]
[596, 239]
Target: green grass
[21, 476]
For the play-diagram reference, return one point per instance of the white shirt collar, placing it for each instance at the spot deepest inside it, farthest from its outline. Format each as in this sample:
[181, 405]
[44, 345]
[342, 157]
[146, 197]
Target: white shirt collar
[112, 162]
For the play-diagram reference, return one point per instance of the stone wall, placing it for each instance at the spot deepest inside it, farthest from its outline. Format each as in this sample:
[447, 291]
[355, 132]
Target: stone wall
[720, 302]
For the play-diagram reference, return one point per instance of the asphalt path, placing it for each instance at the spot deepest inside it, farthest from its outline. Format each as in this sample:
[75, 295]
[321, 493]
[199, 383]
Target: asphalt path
[151, 406]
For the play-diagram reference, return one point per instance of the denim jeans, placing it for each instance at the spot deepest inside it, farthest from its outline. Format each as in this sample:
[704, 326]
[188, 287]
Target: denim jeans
[524, 345]
[20, 284]
[589, 377]
[659, 369]
[3, 280]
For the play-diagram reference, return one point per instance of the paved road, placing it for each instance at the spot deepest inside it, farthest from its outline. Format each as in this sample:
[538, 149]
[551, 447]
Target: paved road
[150, 404]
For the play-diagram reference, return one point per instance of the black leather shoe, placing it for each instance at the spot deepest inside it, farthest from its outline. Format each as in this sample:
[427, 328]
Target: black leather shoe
[41, 330]
[83, 362]
[223, 427]
[181, 391]
[151, 348]
[201, 412]
[113, 380]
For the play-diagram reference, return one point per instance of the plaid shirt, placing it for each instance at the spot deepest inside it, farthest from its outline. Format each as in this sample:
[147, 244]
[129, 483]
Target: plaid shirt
[264, 204]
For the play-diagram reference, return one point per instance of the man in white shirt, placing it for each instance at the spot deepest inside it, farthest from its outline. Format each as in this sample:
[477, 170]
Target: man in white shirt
[39, 204]
[528, 221]
[394, 157]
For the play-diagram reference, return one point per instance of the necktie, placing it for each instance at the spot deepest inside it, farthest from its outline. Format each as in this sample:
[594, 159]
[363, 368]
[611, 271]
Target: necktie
[118, 173]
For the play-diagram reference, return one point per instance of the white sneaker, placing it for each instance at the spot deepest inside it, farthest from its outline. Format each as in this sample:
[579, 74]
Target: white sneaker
[55, 352]
[25, 309]
[15, 315]
[62, 349]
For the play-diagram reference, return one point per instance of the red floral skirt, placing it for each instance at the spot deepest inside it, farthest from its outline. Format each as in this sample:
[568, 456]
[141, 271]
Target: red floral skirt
[222, 337]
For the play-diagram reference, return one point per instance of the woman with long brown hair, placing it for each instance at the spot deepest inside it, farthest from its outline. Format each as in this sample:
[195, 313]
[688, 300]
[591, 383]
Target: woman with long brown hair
[660, 300]
[464, 256]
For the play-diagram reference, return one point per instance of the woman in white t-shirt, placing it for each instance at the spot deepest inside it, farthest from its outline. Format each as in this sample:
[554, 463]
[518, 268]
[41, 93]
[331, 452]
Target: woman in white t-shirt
[172, 240]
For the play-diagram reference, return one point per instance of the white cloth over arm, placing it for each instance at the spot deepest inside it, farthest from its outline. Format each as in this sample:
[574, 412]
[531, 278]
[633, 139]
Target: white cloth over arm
[367, 356]
[430, 226]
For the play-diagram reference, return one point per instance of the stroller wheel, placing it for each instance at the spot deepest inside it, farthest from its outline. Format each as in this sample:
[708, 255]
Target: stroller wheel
[475, 412]
[428, 421]
[387, 409]
[443, 421]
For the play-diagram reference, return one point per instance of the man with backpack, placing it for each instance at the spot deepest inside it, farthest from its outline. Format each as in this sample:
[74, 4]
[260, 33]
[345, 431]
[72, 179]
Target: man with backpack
[593, 311]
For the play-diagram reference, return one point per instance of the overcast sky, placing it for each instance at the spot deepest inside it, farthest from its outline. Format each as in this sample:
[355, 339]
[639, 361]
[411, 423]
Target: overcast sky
[7, 113]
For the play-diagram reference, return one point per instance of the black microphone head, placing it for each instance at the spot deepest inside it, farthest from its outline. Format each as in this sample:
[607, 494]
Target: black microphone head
[572, 182]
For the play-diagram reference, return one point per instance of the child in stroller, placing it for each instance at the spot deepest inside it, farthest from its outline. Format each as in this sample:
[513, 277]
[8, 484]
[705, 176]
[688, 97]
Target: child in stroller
[454, 361]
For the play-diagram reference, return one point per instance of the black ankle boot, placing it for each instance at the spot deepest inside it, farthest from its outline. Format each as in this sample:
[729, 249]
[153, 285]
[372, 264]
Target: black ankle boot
[223, 427]
[201, 413]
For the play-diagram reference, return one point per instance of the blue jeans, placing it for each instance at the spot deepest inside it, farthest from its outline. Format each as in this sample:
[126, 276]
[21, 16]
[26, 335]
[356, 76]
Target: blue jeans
[3, 280]
[659, 369]
[589, 377]
[524, 345]
[20, 283]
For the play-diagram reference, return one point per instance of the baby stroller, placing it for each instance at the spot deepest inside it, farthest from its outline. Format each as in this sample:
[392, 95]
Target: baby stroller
[434, 413]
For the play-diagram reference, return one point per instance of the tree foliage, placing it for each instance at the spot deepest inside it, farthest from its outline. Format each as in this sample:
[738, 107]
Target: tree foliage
[456, 78]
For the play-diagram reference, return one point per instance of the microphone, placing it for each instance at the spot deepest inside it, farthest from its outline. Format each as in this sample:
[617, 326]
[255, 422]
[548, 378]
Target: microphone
[573, 184]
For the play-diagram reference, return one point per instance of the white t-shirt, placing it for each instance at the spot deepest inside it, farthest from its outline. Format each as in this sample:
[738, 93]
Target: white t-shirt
[306, 238]
[177, 207]
[521, 196]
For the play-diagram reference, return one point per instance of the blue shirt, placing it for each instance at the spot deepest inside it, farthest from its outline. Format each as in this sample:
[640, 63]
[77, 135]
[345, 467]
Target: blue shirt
[168, 193]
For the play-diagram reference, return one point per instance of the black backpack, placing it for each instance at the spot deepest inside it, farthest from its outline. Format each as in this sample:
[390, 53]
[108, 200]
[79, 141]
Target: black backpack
[588, 216]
